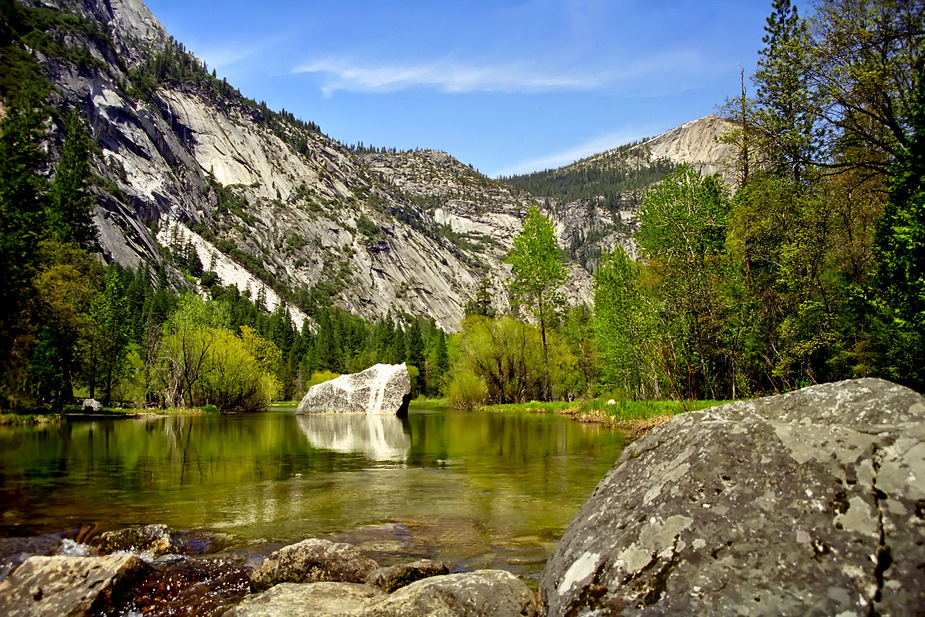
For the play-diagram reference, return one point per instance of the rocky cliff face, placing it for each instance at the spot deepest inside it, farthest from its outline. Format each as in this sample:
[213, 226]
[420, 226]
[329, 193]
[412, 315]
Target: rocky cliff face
[272, 205]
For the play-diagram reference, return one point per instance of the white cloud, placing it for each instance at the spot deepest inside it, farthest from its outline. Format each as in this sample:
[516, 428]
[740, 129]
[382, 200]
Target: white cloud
[342, 74]
[597, 145]
[633, 77]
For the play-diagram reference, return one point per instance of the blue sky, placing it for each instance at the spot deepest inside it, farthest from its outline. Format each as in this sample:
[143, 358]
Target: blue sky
[507, 86]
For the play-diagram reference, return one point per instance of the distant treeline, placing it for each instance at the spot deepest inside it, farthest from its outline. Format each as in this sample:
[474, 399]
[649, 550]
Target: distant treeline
[609, 179]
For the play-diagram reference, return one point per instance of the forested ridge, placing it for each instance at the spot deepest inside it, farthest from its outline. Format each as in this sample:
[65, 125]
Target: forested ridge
[810, 270]
[615, 180]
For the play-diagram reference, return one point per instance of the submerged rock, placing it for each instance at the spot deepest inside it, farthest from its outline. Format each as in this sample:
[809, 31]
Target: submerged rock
[380, 389]
[809, 503]
[312, 561]
[72, 586]
[395, 577]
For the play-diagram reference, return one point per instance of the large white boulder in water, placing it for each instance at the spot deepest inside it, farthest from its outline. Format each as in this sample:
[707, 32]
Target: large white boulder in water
[380, 389]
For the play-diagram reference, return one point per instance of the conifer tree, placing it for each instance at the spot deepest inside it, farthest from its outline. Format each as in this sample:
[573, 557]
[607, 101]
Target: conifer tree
[70, 200]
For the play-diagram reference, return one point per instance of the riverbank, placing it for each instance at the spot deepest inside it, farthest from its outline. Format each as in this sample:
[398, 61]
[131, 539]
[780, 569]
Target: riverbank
[632, 418]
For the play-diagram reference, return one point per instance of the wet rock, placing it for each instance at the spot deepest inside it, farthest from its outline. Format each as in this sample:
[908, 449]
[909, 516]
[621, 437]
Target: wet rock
[395, 577]
[14, 551]
[380, 389]
[152, 539]
[187, 587]
[488, 593]
[312, 561]
[71, 586]
[198, 542]
[308, 600]
[809, 503]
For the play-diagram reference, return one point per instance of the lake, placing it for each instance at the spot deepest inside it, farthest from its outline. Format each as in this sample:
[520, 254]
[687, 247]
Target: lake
[476, 489]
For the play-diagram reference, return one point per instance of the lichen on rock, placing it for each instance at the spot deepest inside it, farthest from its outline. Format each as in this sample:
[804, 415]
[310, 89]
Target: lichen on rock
[805, 503]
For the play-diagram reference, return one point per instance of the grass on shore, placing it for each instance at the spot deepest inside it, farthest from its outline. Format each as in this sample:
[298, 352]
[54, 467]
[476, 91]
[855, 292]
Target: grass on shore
[634, 418]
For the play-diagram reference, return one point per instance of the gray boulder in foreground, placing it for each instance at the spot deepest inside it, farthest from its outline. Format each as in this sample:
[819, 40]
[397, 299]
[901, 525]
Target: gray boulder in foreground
[44, 586]
[808, 503]
[380, 389]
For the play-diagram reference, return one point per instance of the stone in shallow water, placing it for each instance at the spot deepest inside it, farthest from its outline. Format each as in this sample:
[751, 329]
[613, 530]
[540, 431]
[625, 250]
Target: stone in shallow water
[312, 561]
[809, 503]
[323, 599]
[152, 539]
[380, 389]
[484, 593]
[395, 577]
[45, 586]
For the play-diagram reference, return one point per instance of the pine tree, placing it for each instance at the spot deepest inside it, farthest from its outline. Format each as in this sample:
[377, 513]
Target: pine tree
[70, 200]
[782, 114]
[22, 205]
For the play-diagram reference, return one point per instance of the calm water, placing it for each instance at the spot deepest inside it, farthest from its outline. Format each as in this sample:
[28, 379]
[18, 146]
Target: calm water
[474, 489]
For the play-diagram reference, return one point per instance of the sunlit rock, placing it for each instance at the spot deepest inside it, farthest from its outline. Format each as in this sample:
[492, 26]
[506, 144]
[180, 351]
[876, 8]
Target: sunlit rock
[308, 600]
[376, 437]
[401, 575]
[380, 389]
[44, 586]
[153, 540]
[314, 560]
[484, 593]
[807, 503]
[91, 405]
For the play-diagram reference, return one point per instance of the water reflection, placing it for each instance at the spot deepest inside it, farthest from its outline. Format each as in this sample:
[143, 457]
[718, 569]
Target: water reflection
[475, 489]
[375, 437]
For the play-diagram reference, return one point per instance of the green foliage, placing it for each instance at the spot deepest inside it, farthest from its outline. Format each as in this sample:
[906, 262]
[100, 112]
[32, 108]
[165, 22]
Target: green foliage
[537, 273]
[625, 328]
[110, 336]
[900, 258]
[507, 356]
[22, 208]
[71, 202]
[611, 182]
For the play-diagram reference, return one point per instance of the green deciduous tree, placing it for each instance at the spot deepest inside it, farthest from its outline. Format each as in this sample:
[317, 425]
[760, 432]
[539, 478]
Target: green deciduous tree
[537, 273]
[682, 235]
[625, 327]
[111, 333]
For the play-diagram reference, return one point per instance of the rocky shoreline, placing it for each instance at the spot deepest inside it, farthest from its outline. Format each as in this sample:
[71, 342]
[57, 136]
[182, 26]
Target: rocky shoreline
[808, 503]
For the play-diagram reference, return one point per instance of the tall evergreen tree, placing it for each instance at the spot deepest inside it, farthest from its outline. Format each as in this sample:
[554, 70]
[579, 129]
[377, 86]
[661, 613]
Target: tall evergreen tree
[70, 200]
[23, 196]
[782, 95]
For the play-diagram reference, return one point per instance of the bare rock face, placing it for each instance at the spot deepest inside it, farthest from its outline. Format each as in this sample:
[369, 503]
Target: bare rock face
[312, 561]
[381, 389]
[809, 503]
[72, 586]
